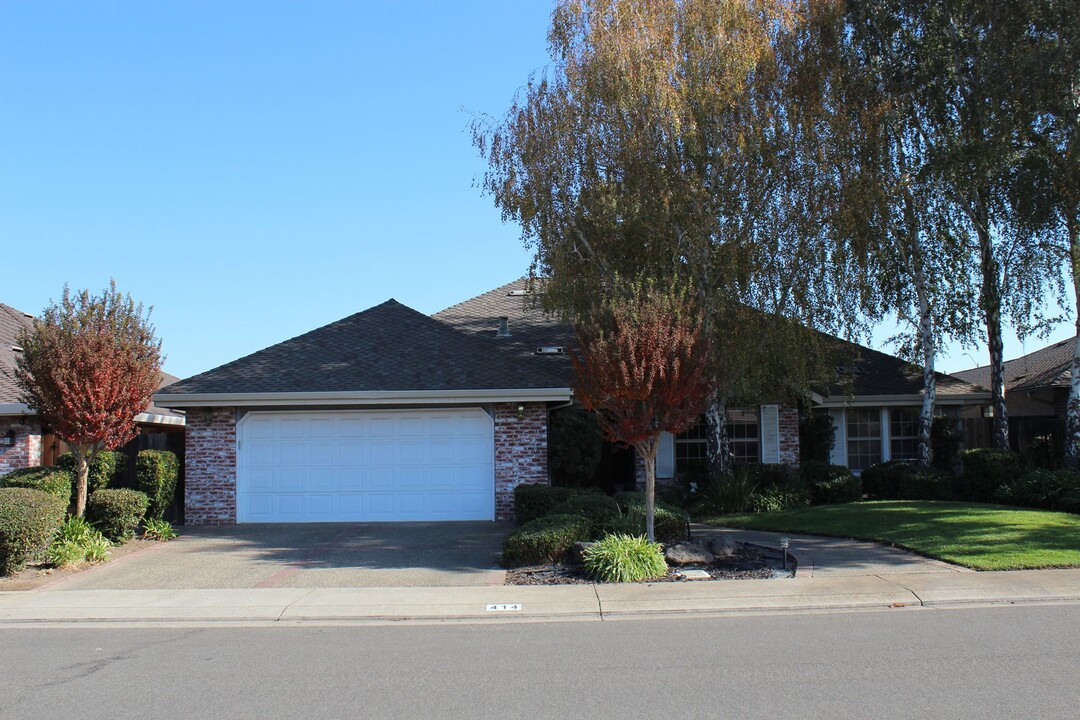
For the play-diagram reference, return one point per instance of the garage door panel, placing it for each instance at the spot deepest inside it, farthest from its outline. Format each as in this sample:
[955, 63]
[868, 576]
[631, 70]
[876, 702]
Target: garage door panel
[366, 466]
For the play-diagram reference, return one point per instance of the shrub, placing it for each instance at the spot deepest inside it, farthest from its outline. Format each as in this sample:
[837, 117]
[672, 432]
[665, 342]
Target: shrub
[117, 513]
[925, 483]
[669, 523]
[882, 481]
[1043, 451]
[157, 529]
[602, 511]
[624, 558]
[1039, 488]
[575, 444]
[77, 542]
[629, 497]
[726, 493]
[535, 501]
[546, 539]
[985, 470]
[776, 476]
[155, 474]
[830, 484]
[816, 437]
[105, 470]
[28, 519]
[945, 444]
[778, 499]
[47, 479]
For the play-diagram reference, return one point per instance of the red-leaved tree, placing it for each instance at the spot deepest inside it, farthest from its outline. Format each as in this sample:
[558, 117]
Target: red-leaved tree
[88, 366]
[641, 366]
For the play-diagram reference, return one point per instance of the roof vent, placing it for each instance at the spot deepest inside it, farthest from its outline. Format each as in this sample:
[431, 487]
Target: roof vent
[504, 326]
[551, 350]
[518, 293]
[16, 348]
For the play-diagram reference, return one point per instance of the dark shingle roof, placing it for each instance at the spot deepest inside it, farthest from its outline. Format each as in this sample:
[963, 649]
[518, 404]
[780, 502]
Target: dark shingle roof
[11, 322]
[876, 373]
[385, 348]
[1051, 366]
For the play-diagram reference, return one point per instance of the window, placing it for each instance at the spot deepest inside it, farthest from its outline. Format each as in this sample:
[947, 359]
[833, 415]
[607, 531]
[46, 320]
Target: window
[904, 433]
[691, 447]
[863, 437]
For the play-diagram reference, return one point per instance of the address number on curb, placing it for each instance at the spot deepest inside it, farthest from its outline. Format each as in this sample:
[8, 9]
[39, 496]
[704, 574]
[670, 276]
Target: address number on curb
[503, 607]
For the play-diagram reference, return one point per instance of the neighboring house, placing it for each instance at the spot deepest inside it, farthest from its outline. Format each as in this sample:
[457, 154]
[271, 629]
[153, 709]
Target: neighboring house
[24, 442]
[392, 415]
[1036, 392]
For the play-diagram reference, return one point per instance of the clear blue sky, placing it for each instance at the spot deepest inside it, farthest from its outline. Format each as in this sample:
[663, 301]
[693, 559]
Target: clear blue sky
[254, 170]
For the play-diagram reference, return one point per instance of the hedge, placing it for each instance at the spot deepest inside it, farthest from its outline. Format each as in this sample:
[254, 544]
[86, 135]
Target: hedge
[532, 501]
[986, 470]
[882, 480]
[156, 472]
[117, 513]
[544, 540]
[47, 479]
[830, 484]
[28, 520]
[105, 470]
[925, 483]
[669, 523]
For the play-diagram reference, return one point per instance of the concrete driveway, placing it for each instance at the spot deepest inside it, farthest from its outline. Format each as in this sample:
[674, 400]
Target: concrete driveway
[309, 556]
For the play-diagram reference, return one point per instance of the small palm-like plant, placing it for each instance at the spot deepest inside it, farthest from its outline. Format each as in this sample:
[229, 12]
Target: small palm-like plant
[76, 542]
[624, 558]
[154, 529]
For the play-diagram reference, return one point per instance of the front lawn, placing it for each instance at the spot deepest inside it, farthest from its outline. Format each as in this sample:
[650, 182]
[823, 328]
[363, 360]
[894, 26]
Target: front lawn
[983, 537]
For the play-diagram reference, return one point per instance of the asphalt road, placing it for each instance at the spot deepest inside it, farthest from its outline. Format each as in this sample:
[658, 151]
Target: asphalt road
[1008, 662]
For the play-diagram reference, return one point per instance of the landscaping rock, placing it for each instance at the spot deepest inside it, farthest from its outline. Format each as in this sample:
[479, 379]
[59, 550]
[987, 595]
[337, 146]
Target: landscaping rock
[722, 546]
[688, 553]
[576, 555]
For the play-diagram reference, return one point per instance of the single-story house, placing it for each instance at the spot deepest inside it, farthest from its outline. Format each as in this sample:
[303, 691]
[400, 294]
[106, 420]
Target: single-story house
[393, 415]
[1036, 392]
[25, 442]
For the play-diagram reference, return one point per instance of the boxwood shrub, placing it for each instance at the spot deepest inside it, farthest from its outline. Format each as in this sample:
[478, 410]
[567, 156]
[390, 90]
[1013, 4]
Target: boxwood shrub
[986, 470]
[669, 523]
[546, 539]
[882, 480]
[28, 520]
[629, 497]
[47, 479]
[535, 501]
[925, 483]
[102, 472]
[155, 474]
[117, 513]
[830, 484]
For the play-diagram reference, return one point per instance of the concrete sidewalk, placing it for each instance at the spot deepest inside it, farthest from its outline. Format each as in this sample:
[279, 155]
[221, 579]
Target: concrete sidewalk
[534, 603]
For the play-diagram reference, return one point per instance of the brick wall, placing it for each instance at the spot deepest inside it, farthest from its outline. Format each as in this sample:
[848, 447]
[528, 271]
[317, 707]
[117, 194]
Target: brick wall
[27, 449]
[210, 466]
[789, 435]
[520, 452]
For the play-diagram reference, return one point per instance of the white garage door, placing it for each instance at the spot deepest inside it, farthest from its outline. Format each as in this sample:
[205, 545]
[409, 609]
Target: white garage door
[366, 466]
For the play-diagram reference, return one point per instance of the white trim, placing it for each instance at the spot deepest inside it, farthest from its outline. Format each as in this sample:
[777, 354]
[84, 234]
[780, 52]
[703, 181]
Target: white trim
[371, 397]
[895, 400]
[839, 450]
[886, 434]
[15, 409]
[155, 419]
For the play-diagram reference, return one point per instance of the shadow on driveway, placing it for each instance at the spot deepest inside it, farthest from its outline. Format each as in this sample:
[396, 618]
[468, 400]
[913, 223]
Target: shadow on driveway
[428, 554]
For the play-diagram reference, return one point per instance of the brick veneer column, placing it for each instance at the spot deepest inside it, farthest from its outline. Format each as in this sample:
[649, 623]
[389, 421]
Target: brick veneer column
[520, 452]
[26, 452]
[210, 466]
[789, 435]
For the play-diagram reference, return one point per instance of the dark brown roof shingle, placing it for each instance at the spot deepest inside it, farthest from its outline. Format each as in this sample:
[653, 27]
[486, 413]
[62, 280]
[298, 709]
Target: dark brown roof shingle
[1049, 367]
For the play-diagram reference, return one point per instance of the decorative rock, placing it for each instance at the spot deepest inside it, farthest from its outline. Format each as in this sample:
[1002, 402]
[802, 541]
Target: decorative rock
[576, 555]
[722, 546]
[695, 575]
[688, 553]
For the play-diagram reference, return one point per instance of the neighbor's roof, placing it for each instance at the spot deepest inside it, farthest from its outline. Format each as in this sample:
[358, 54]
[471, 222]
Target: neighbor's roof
[387, 348]
[871, 372]
[1048, 367]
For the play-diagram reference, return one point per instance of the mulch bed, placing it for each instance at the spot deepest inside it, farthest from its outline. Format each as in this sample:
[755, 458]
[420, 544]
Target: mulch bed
[749, 562]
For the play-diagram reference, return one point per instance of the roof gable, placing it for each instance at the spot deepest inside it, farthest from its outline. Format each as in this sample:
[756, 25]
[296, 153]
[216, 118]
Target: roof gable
[1050, 366]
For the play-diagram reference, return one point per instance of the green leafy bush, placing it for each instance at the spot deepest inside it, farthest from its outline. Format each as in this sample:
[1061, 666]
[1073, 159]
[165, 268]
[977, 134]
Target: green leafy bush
[985, 470]
[575, 443]
[669, 523]
[624, 558]
[1057, 490]
[925, 483]
[28, 520]
[156, 472]
[532, 501]
[47, 479]
[601, 510]
[779, 476]
[1044, 452]
[946, 442]
[105, 469]
[157, 529]
[629, 497]
[77, 542]
[117, 513]
[817, 436]
[546, 539]
[882, 481]
[830, 484]
[727, 493]
[778, 499]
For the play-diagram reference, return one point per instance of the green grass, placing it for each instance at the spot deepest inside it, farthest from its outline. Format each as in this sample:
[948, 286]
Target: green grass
[983, 537]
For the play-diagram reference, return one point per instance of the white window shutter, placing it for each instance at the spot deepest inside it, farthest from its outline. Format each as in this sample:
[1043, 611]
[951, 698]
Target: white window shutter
[665, 456]
[770, 434]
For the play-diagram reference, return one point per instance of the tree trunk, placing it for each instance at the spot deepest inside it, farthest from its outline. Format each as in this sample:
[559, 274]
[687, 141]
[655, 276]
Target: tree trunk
[717, 447]
[82, 471]
[929, 351]
[1072, 413]
[991, 305]
[647, 450]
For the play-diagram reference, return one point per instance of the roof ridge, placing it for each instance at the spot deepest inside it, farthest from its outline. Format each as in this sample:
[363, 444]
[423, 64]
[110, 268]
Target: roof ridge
[476, 297]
